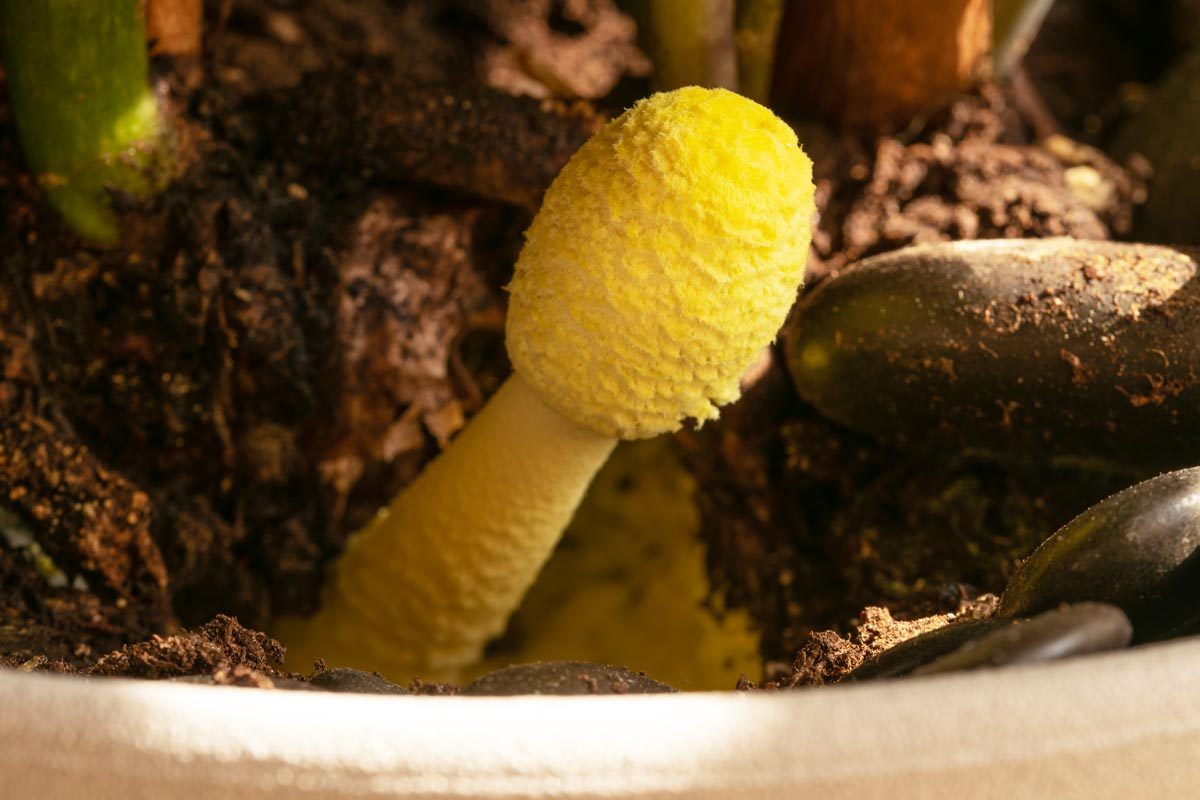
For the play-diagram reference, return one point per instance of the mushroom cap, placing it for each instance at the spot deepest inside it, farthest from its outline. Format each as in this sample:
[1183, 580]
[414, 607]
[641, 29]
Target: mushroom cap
[665, 256]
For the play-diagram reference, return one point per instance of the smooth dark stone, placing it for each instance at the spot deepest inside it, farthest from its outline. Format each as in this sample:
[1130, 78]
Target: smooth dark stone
[1069, 631]
[343, 679]
[912, 653]
[1018, 349]
[564, 677]
[1138, 550]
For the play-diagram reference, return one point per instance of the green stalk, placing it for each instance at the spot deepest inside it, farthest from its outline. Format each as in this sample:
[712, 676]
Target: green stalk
[79, 86]
[691, 43]
[757, 27]
[1015, 24]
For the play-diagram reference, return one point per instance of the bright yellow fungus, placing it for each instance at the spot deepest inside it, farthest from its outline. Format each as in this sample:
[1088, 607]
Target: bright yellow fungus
[664, 258]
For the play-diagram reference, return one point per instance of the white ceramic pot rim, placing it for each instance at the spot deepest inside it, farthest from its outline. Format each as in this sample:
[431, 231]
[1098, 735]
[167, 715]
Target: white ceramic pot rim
[1119, 725]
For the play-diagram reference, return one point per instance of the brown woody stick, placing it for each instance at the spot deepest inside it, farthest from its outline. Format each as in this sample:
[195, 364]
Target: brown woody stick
[466, 138]
[869, 66]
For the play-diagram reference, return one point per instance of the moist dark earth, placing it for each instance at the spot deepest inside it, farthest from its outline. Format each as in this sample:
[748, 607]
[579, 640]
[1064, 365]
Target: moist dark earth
[193, 422]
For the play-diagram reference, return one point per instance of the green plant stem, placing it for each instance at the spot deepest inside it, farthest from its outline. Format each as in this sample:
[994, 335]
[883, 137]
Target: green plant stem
[691, 43]
[757, 27]
[1015, 25]
[78, 83]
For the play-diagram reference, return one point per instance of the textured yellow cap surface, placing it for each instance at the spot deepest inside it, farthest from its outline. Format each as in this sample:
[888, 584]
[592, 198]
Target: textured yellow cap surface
[665, 257]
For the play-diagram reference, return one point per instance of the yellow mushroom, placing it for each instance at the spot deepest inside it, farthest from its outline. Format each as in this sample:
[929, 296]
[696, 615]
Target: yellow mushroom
[664, 258]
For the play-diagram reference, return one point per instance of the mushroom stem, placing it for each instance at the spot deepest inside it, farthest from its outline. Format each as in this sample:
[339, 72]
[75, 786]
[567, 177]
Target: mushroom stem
[665, 256]
[438, 573]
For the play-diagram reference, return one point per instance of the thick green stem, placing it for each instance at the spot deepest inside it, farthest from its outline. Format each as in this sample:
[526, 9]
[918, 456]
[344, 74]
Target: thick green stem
[691, 42]
[1015, 24]
[78, 83]
[757, 28]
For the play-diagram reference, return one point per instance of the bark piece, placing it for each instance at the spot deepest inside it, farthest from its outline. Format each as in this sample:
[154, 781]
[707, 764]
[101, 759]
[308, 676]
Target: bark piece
[467, 138]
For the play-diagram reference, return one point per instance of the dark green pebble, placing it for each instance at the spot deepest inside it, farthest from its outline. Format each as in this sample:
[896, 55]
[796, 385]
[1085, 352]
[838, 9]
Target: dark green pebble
[909, 655]
[1051, 348]
[1138, 550]
[342, 679]
[564, 677]
[1065, 632]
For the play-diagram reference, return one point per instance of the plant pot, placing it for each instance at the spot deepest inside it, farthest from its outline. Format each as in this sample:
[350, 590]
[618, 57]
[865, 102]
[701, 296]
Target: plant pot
[1118, 725]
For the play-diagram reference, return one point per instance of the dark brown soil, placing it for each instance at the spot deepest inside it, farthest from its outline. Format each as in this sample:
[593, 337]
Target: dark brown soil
[806, 522]
[826, 657]
[195, 421]
[95, 528]
[1092, 58]
[971, 173]
[218, 645]
[564, 678]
